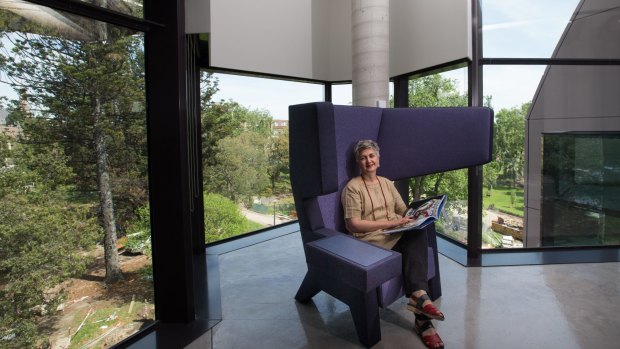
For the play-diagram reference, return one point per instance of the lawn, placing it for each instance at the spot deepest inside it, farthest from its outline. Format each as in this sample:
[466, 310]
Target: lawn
[500, 199]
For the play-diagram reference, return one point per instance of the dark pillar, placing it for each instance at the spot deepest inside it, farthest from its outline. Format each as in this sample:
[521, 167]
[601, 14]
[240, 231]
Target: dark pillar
[474, 202]
[169, 170]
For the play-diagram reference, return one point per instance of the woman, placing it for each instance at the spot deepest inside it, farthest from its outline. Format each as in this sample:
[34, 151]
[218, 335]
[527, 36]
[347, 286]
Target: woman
[372, 204]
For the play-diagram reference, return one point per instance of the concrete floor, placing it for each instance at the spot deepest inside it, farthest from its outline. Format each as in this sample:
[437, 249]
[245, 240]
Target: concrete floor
[552, 306]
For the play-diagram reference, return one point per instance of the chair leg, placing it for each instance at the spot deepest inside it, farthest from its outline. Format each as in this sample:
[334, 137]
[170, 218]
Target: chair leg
[365, 311]
[307, 290]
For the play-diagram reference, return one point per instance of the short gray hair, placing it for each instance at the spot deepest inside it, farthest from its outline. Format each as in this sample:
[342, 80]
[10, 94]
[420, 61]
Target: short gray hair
[365, 144]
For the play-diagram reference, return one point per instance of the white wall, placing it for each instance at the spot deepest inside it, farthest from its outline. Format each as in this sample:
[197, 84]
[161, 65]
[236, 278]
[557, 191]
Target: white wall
[427, 33]
[312, 38]
[268, 36]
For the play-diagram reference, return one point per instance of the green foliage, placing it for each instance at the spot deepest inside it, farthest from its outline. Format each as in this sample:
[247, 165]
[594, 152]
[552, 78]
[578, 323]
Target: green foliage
[509, 144]
[83, 100]
[42, 239]
[110, 316]
[73, 94]
[435, 91]
[492, 238]
[139, 232]
[240, 171]
[49, 162]
[501, 200]
[72, 90]
[223, 219]
[226, 119]
[278, 164]
[490, 174]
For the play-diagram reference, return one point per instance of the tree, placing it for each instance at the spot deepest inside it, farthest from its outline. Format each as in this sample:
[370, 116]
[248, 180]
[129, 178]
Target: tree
[222, 218]
[236, 142]
[42, 239]
[227, 119]
[490, 174]
[278, 162]
[87, 96]
[510, 141]
[241, 167]
[435, 91]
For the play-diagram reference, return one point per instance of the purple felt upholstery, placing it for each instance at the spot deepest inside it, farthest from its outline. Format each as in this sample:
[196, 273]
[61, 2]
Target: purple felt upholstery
[413, 142]
[420, 141]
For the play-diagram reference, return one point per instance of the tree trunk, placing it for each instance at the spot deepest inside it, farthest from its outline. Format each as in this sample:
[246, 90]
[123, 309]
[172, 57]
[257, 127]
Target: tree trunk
[418, 188]
[112, 265]
[438, 183]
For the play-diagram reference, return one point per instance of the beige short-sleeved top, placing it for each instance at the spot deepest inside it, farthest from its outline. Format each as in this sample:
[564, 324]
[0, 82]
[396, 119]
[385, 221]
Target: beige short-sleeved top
[382, 198]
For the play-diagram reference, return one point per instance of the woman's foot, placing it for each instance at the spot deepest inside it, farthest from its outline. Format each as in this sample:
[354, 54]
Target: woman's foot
[428, 334]
[420, 303]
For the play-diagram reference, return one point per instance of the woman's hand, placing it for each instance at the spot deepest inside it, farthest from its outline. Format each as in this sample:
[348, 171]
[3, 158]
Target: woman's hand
[402, 221]
[357, 225]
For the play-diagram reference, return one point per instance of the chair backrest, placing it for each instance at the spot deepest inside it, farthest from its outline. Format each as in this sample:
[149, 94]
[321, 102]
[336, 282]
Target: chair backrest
[413, 141]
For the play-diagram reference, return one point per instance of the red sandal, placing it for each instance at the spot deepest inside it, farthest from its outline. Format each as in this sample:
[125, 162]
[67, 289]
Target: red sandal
[429, 310]
[430, 341]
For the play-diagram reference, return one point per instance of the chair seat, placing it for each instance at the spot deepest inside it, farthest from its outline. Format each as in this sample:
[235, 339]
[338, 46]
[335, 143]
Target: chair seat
[356, 263]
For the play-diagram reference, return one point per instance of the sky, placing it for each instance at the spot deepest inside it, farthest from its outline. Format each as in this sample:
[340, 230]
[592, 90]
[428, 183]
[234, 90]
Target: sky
[511, 28]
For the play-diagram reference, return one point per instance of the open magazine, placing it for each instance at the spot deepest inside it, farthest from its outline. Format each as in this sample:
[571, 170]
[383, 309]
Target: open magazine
[423, 212]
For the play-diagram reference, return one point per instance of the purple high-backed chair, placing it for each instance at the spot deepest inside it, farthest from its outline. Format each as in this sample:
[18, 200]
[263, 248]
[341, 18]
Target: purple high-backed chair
[414, 142]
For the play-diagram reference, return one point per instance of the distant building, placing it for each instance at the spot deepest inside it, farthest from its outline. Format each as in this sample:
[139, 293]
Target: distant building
[3, 115]
[279, 126]
[9, 130]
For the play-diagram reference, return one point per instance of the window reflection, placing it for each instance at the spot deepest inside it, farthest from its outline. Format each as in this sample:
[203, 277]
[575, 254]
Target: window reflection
[580, 189]
[129, 7]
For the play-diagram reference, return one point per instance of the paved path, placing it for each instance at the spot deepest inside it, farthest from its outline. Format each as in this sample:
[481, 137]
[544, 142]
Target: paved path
[260, 218]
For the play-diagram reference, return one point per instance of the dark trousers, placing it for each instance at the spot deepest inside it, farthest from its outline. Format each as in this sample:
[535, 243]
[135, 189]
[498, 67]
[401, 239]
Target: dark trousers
[413, 246]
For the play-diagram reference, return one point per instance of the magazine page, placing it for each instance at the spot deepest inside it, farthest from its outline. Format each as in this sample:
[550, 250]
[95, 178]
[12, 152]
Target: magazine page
[423, 212]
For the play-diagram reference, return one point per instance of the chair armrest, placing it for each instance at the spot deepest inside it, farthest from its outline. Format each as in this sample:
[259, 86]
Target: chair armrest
[359, 264]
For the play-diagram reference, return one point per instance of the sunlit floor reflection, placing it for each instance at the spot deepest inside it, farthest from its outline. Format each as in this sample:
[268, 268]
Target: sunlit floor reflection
[552, 306]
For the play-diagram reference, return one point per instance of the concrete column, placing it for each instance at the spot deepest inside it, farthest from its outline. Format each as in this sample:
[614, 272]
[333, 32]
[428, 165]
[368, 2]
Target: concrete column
[370, 29]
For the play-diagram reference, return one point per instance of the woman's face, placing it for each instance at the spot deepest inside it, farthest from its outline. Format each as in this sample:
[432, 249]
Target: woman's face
[368, 161]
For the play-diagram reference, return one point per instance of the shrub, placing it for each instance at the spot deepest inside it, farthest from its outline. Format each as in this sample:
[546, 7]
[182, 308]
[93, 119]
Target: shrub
[223, 218]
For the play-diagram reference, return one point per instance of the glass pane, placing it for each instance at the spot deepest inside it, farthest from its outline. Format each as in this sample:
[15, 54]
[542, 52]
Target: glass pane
[75, 265]
[245, 151]
[524, 28]
[446, 89]
[129, 7]
[509, 91]
[342, 94]
[580, 189]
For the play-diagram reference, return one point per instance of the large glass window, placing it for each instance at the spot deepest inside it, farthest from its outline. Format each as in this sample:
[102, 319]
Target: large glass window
[509, 91]
[245, 151]
[74, 223]
[538, 111]
[445, 89]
